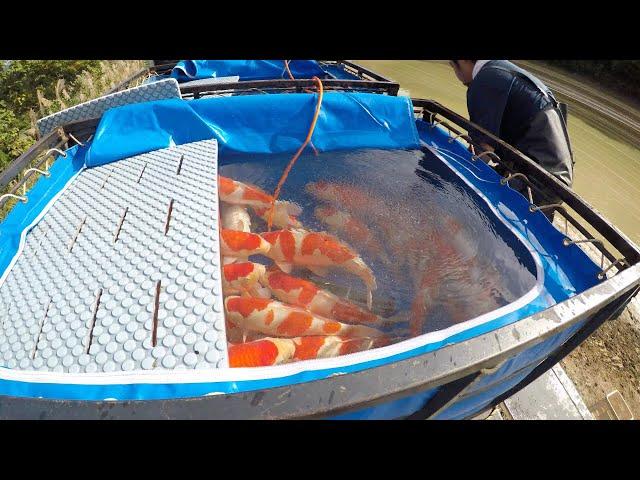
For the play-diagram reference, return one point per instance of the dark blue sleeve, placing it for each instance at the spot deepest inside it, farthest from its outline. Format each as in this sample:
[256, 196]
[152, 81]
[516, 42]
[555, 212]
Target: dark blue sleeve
[486, 101]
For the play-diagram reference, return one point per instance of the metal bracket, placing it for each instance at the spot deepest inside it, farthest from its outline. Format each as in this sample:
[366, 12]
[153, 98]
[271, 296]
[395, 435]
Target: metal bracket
[64, 154]
[486, 152]
[603, 274]
[75, 139]
[437, 122]
[567, 241]
[22, 198]
[451, 139]
[24, 175]
[535, 208]
[504, 181]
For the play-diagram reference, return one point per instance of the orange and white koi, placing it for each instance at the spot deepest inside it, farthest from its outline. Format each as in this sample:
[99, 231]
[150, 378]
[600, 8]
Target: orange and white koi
[355, 230]
[243, 278]
[275, 351]
[238, 193]
[274, 318]
[281, 218]
[261, 353]
[306, 294]
[316, 251]
[236, 245]
[235, 217]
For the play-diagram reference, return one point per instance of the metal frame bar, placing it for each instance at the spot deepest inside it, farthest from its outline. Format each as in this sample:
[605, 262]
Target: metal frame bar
[370, 81]
[298, 85]
[360, 70]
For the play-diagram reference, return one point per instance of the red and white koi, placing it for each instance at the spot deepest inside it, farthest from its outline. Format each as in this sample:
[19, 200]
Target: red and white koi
[235, 245]
[243, 279]
[238, 193]
[274, 318]
[275, 351]
[306, 294]
[317, 251]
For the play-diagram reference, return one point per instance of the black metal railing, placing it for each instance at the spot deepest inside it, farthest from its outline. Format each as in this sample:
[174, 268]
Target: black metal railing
[368, 81]
[542, 182]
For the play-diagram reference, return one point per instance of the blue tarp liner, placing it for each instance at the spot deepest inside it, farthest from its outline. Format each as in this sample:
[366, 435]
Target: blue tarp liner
[24, 215]
[272, 123]
[278, 123]
[187, 70]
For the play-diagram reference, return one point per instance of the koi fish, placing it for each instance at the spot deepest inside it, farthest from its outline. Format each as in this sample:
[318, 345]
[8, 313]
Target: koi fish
[261, 353]
[274, 351]
[345, 195]
[236, 334]
[274, 318]
[358, 203]
[316, 251]
[236, 245]
[235, 217]
[306, 294]
[453, 253]
[355, 230]
[243, 278]
[238, 193]
[281, 218]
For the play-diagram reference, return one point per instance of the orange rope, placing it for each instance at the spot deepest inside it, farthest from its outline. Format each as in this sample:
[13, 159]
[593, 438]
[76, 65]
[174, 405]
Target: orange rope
[285, 174]
[286, 66]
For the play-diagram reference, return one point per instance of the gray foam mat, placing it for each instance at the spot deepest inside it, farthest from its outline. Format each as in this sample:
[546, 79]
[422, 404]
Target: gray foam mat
[82, 295]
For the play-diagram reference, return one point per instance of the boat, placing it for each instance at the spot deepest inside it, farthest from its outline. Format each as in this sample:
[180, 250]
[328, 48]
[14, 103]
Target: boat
[111, 288]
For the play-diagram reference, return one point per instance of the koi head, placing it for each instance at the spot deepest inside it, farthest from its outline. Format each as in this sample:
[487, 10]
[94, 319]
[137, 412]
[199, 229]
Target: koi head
[226, 185]
[261, 353]
[243, 243]
[314, 243]
[246, 273]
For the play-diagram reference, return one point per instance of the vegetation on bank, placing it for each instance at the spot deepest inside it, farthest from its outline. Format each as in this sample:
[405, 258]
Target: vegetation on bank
[622, 76]
[32, 89]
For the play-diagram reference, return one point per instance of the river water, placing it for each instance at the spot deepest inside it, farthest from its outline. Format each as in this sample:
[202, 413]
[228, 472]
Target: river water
[607, 170]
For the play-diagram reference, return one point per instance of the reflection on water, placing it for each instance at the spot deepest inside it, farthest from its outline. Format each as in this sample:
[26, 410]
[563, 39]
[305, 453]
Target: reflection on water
[438, 255]
[607, 172]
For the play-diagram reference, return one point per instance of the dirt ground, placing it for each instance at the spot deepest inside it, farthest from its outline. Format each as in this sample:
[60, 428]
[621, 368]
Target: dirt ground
[609, 360]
